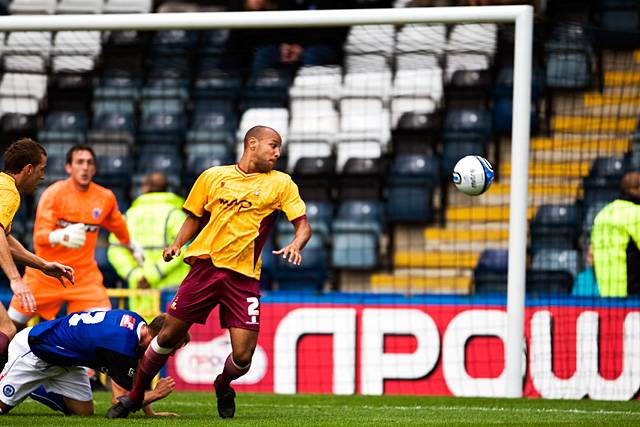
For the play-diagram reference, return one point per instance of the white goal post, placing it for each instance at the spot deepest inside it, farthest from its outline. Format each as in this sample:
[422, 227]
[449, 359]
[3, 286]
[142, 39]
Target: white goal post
[521, 16]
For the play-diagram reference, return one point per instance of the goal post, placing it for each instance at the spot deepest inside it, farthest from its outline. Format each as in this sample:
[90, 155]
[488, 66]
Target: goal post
[521, 16]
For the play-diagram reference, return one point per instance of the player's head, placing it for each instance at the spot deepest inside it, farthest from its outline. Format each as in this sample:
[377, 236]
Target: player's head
[153, 329]
[81, 165]
[262, 146]
[26, 161]
[630, 183]
[154, 182]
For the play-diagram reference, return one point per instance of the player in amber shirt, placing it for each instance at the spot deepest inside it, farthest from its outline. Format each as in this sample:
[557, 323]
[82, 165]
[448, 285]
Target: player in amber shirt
[237, 205]
[24, 164]
[69, 215]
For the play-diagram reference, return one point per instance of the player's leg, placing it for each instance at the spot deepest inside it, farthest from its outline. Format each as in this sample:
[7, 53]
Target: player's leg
[23, 374]
[243, 344]
[69, 392]
[7, 332]
[193, 302]
[239, 311]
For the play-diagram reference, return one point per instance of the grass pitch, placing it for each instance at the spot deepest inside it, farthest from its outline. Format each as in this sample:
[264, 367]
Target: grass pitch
[198, 409]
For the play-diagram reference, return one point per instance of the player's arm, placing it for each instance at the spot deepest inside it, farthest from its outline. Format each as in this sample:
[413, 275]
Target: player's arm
[194, 208]
[163, 388]
[189, 228]
[29, 259]
[294, 208]
[20, 290]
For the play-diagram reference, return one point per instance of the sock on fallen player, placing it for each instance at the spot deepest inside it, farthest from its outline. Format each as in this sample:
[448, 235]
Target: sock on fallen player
[153, 360]
[54, 401]
[230, 372]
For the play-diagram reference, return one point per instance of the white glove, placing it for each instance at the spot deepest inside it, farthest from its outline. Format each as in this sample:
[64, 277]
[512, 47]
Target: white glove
[72, 236]
[137, 251]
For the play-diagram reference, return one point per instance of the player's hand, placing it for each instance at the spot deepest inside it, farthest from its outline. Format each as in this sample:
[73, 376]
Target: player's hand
[164, 387]
[137, 251]
[72, 236]
[24, 295]
[59, 271]
[170, 252]
[291, 253]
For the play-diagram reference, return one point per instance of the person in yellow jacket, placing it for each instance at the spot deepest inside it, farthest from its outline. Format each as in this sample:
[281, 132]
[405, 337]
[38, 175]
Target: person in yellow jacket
[154, 220]
[616, 241]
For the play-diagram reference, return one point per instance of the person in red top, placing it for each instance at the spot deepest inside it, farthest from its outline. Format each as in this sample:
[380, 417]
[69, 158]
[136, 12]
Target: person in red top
[69, 215]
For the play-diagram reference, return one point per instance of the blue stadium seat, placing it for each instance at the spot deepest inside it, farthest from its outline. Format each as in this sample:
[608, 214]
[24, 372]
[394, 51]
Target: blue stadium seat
[361, 178]
[311, 274]
[163, 122]
[64, 126]
[452, 151]
[217, 84]
[356, 233]
[555, 227]
[567, 260]
[268, 88]
[213, 42]
[114, 168]
[603, 182]
[410, 187]
[200, 157]
[314, 177]
[568, 56]
[159, 158]
[417, 133]
[56, 159]
[174, 42]
[490, 274]
[169, 67]
[212, 126]
[123, 106]
[619, 22]
[166, 88]
[467, 124]
[118, 88]
[546, 283]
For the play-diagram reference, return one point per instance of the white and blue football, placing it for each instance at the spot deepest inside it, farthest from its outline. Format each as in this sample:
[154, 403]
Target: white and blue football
[473, 175]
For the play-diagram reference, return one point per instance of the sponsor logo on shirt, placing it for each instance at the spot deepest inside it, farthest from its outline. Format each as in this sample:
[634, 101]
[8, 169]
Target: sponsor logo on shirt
[128, 321]
[89, 228]
[241, 204]
[132, 372]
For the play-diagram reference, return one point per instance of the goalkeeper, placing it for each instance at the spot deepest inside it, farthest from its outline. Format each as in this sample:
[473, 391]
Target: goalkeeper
[69, 214]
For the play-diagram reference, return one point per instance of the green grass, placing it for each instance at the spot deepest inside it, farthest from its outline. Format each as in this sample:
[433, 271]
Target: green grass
[198, 409]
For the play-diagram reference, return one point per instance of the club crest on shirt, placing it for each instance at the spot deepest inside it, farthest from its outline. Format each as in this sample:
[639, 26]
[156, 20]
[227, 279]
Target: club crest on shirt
[8, 390]
[95, 213]
[128, 321]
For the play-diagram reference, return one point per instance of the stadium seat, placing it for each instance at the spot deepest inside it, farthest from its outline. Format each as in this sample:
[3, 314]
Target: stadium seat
[361, 178]
[619, 21]
[356, 233]
[452, 151]
[317, 81]
[545, 283]
[79, 6]
[212, 126]
[159, 158]
[27, 51]
[166, 88]
[603, 182]
[313, 118]
[555, 227]
[467, 124]
[127, 6]
[32, 7]
[306, 149]
[64, 126]
[490, 273]
[568, 57]
[416, 133]
[556, 260]
[200, 157]
[174, 42]
[15, 125]
[314, 177]
[311, 274]
[468, 89]
[410, 188]
[69, 92]
[168, 67]
[268, 88]
[413, 38]
[115, 167]
[213, 42]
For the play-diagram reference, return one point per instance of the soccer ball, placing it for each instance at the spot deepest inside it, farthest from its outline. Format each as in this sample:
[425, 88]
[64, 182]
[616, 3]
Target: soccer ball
[473, 175]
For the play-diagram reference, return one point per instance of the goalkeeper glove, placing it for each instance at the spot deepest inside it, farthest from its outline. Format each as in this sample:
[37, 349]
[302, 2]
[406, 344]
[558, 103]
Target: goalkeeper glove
[72, 236]
[137, 251]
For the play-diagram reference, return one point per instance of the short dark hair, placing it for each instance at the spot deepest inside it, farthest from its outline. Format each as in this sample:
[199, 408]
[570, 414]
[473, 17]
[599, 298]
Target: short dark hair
[156, 324]
[21, 153]
[79, 147]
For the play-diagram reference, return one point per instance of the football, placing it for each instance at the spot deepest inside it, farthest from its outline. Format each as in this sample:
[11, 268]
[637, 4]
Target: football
[473, 175]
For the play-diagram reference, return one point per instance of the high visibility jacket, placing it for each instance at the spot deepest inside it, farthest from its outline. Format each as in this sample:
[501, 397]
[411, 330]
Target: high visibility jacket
[615, 240]
[154, 220]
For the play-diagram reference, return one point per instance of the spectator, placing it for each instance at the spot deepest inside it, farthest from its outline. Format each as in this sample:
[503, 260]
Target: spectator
[585, 284]
[154, 220]
[615, 239]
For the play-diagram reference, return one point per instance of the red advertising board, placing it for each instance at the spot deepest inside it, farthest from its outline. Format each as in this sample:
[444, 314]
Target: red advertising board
[430, 349]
